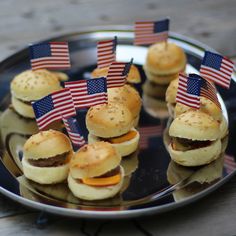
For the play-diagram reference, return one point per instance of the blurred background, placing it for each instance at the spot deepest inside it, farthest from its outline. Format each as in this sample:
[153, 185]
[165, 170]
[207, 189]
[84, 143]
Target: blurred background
[24, 21]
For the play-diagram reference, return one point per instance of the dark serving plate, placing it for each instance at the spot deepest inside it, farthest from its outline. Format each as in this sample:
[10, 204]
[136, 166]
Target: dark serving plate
[146, 190]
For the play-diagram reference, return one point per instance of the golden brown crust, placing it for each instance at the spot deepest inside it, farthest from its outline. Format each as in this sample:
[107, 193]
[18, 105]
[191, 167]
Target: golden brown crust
[94, 160]
[33, 85]
[109, 120]
[127, 96]
[171, 91]
[206, 106]
[195, 125]
[165, 60]
[46, 144]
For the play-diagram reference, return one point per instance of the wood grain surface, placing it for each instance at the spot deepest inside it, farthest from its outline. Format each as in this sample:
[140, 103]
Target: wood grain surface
[211, 21]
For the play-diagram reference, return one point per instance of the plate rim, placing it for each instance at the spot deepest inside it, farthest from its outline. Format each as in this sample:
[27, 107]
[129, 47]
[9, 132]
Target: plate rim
[122, 213]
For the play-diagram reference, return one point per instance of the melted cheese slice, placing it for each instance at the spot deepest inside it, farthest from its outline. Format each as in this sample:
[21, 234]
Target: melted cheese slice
[102, 181]
[126, 137]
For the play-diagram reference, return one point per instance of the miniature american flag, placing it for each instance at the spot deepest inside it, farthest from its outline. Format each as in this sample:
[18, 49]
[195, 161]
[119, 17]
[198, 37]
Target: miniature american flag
[217, 68]
[149, 132]
[106, 52]
[149, 32]
[87, 93]
[74, 131]
[117, 74]
[53, 107]
[52, 55]
[188, 91]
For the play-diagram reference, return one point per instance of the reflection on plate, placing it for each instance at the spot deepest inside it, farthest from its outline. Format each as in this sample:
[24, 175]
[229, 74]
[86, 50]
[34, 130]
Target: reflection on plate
[146, 189]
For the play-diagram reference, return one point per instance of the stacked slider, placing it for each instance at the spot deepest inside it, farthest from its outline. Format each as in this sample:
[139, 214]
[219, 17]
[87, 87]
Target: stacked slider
[164, 61]
[113, 123]
[95, 172]
[30, 86]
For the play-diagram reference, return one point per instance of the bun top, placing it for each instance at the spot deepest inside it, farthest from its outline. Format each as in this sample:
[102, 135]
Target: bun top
[206, 106]
[171, 91]
[33, 85]
[133, 76]
[164, 60]
[109, 120]
[195, 125]
[46, 144]
[94, 160]
[128, 96]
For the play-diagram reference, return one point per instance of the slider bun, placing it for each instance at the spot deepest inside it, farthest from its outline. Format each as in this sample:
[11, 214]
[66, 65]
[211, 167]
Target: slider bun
[127, 96]
[21, 108]
[198, 156]
[109, 120]
[206, 106]
[223, 127]
[130, 163]
[94, 160]
[33, 85]
[154, 90]
[133, 76]
[171, 91]
[87, 192]
[45, 175]
[124, 148]
[46, 144]
[60, 76]
[160, 79]
[165, 59]
[195, 125]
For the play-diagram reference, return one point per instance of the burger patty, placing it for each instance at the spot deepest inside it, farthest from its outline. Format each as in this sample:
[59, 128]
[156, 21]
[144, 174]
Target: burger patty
[183, 144]
[55, 161]
[29, 103]
[110, 173]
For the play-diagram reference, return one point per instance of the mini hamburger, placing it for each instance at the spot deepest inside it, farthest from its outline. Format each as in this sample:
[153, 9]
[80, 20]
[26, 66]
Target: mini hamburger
[46, 157]
[163, 63]
[194, 139]
[30, 86]
[113, 123]
[129, 97]
[132, 78]
[95, 172]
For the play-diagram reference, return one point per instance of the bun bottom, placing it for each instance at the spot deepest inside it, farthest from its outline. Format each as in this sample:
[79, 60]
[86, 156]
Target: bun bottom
[22, 108]
[125, 148]
[91, 193]
[45, 175]
[171, 109]
[196, 157]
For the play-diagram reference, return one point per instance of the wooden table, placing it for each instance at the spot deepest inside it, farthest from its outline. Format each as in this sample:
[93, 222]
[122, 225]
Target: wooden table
[210, 21]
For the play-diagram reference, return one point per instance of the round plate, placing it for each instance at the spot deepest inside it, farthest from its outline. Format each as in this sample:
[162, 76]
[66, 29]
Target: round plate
[146, 188]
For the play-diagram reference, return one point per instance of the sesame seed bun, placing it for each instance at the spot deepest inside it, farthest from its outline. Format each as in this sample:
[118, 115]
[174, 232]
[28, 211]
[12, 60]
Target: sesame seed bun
[33, 85]
[195, 125]
[198, 156]
[171, 91]
[91, 193]
[94, 160]
[206, 106]
[165, 59]
[22, 108]
[46, 144]
[60, 76]
[109, 120]
[124, 148]
[223, 128]
[133, 76]
[127, 96]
